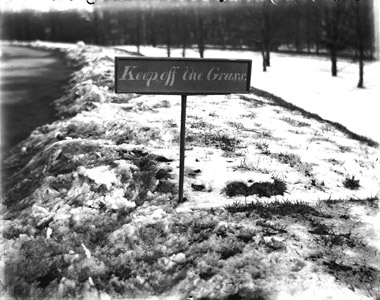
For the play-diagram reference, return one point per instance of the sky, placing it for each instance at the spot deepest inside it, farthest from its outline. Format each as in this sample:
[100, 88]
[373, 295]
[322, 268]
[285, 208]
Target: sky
[45, 5]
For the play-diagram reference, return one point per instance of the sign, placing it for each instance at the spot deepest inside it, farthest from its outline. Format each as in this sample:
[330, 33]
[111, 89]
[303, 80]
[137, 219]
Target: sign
[181, 76]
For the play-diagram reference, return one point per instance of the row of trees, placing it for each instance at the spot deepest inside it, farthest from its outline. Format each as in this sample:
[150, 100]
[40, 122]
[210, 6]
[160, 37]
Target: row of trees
[343, 27]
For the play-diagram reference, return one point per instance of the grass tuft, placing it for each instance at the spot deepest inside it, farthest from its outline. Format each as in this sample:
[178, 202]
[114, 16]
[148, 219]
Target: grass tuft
[268, 189]
[351, 183]
[295, 123]
[263, 147]
[250, 167]
[280, 208]
[236, 188]
[262, 189]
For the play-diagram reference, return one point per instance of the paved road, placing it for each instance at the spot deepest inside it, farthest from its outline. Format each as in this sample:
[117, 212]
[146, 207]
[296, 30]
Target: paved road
[30, 81]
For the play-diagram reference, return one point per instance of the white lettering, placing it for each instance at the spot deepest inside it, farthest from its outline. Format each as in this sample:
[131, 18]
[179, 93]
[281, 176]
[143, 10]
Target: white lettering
[214, 74]
[149, 76]
[128, 72]
[211, 75]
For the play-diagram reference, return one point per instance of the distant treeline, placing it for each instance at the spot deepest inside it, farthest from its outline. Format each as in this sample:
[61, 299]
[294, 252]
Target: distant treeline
[342, 27]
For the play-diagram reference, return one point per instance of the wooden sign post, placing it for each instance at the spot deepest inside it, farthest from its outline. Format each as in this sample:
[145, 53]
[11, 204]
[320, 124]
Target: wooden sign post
[181, 76]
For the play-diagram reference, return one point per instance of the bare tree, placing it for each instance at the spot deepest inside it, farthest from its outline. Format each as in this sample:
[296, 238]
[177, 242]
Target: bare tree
[263, 19]
[362, 35]
[222, 25]
[168, 32]
[185, 35]
[152, 24]
[335, 29]
[360, 43]
[200, 29]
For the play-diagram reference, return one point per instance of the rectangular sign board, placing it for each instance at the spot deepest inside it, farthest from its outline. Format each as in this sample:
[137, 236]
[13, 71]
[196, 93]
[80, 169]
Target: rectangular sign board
[181, 76]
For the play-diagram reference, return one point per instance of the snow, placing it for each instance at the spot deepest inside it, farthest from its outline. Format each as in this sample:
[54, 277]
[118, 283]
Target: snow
[307, 83]
[320, 156]
[101, 175]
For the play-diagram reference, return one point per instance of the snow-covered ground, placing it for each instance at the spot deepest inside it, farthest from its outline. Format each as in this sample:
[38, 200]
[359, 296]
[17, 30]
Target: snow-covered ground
[306, 81]
[78, 197]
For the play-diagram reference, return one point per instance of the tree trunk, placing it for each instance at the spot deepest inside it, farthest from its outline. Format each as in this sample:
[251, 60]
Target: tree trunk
[168, 37]
[201, 51]
[137, 39]
[222, 29]
[99, 29]
[152, 26]
[317, 31]
[138, 48]
[267, 56]
[143, 28]
[184, 41]
[308, 26]
[168, 49]
[334, 68]
[137, 32]
[297, 33]
[264, 59]
[201, 46]
[361, 67]
[360, 46]
[200, 25]
[168, 43]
